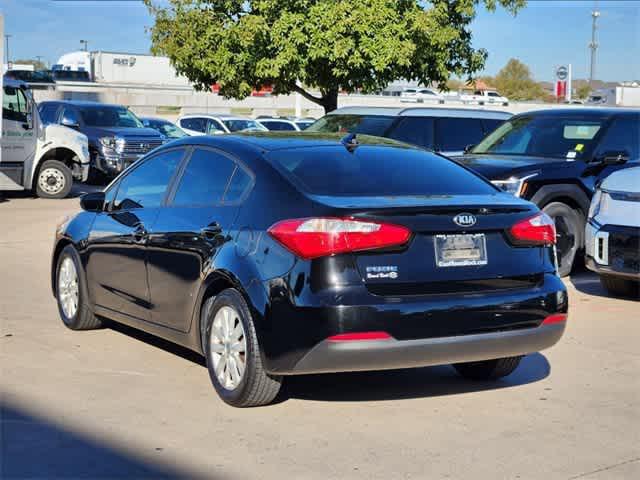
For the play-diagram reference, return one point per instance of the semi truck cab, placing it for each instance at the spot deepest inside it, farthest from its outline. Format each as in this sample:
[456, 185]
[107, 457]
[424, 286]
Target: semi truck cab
[41, 158]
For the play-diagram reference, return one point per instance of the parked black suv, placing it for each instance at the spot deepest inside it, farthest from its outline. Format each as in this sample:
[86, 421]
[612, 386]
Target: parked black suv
[117, 138]
[555, 158]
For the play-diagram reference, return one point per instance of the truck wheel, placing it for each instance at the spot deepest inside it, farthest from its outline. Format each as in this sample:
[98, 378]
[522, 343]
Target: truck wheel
[620, 286]
[569, 228]
[72, 293]
[54, 180]
[488, 369]
[233, 354]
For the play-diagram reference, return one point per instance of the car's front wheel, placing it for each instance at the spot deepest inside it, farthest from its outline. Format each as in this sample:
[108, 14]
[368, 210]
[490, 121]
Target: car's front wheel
[620, 286]
[488, 369]
[233, 353]
[72, 293]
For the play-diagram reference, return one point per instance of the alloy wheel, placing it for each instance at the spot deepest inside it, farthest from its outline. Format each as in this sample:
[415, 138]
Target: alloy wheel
[228, 347]
[68, 290]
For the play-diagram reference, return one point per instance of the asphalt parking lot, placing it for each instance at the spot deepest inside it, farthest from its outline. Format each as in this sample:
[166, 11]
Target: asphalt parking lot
[117, 403]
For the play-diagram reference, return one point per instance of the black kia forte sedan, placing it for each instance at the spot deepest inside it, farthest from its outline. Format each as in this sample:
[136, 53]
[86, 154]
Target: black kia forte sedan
[278, 255]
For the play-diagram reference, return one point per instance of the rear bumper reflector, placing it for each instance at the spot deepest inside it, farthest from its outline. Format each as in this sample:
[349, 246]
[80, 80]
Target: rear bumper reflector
[350, 337]
[556, 318]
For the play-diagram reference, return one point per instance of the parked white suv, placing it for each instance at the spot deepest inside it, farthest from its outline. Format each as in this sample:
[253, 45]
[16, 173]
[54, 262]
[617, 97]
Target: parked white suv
[421, 95]
[612, 237]
[206, 124]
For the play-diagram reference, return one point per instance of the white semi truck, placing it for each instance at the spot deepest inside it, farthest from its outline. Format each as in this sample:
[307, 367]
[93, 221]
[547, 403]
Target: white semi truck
[41, 158]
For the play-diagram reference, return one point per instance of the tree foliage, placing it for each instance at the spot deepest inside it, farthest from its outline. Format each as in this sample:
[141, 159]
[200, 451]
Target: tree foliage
[583, 91]
[324, 46]
[515, 82]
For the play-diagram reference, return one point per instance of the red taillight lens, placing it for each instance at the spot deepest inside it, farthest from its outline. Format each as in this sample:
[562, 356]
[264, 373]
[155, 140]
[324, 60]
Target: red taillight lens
[537, 230]
[351, 337]
[556, 318]
[319, 237]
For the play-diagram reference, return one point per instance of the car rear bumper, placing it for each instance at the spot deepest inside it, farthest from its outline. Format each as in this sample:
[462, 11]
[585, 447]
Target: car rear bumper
[422, 329]
[332, 356]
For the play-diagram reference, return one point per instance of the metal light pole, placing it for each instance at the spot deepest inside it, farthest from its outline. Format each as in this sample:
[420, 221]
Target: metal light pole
[6, 38]
[593, 45]
[85, 42]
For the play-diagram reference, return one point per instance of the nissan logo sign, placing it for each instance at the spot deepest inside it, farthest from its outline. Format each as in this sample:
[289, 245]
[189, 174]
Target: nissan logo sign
[465, 220]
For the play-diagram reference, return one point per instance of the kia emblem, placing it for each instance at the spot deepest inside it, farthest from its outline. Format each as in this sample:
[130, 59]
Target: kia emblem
[465, 220]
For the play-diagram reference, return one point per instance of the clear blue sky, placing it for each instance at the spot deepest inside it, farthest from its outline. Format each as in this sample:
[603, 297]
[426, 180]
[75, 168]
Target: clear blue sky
[544, 34]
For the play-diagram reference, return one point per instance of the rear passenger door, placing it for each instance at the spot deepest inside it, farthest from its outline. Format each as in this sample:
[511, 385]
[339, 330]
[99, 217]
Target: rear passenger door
[414, 130]
[454, 134]
[188, 233]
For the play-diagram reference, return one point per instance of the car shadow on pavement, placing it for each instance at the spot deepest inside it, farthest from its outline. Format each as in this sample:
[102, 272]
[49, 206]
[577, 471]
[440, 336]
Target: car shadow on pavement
[588, 282]
[35, 447]
[77, 191]
[406, 383]
[370, 386]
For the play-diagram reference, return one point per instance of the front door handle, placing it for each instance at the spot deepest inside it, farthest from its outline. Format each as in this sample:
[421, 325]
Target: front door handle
[211, 231]
[140, 234]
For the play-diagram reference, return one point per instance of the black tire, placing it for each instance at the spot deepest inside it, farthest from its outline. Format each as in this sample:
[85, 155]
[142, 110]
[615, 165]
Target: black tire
[256, 386]
[620, 286]
[84, 319]
[569, 234]
[488, 369]
[54, 180]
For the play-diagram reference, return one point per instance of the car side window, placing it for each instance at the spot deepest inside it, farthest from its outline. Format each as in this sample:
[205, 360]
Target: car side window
[622, 134]
[196, 123]
[490, 125]
[69, 116]
[145, 186]
[48, 113]
[453, 134]
[414, 130]
[205, 179]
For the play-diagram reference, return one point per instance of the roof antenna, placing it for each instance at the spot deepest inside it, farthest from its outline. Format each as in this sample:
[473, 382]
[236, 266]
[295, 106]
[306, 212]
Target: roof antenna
[350, 142]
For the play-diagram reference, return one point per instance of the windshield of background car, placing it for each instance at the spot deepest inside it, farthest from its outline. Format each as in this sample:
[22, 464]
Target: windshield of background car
[243, 126]
[366, 171]
[544, 136]
[169, 130]
[109, 116]
[368, 124]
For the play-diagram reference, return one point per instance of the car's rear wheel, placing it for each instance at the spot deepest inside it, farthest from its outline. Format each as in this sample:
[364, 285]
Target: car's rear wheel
[488, 369]
[72, 293]
[620, 286]
[569, 227]
[54, 180]
[233, 353]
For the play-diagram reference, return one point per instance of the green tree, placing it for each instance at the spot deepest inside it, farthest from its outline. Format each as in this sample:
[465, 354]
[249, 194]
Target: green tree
[515, 82]
[583, 91]
[324, 46]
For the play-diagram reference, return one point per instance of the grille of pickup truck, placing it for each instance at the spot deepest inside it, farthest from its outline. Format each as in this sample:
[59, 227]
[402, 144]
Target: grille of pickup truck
[140, 146]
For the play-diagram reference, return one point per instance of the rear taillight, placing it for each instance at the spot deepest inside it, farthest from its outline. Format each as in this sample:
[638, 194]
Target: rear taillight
[536, 230]
[320, 237]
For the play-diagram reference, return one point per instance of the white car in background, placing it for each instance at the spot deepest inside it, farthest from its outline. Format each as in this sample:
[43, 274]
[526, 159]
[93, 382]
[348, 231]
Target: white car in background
[421, 95]
[612, 236]
[207, 124]
[278, 124]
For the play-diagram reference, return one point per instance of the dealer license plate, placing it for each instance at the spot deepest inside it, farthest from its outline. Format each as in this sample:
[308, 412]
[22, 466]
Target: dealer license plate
[460, 250]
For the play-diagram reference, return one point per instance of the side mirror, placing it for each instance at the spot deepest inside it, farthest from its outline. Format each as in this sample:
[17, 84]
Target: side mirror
[28, 125]
[613, 157]
[468, 148]
[69, 123]
[92, 202]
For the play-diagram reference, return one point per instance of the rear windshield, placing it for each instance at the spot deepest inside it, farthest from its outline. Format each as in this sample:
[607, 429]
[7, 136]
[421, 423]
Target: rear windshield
[367, 124]
[376, 171]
